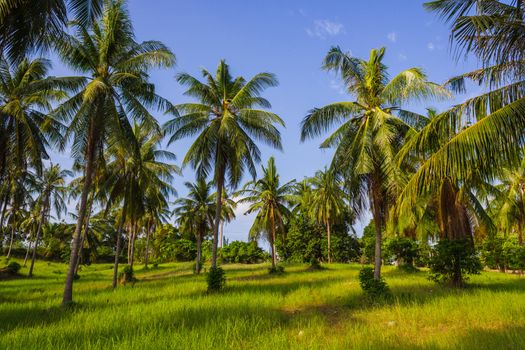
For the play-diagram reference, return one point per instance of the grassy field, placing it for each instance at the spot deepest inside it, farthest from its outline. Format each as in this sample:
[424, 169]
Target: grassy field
[169, 309]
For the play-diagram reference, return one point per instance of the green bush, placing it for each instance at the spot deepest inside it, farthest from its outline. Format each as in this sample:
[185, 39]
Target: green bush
[216, 279]
[374, 289]
[127, 275]
[243, 253]
[452, 260]
[403, 250]
[13, 267]
[278, 269]
[315, 264]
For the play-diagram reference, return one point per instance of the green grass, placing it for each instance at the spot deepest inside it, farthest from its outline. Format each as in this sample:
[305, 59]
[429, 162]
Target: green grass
[169, 309]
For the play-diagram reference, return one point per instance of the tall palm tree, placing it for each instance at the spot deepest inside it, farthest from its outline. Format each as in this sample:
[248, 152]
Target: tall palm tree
[116, 89]
[270, 200]
[373, 128]
[228, 123]
[138, 179]
[484, 132]
[52, 190]
[328, 201]
[27, 26]
[195, 213]
[512, 201]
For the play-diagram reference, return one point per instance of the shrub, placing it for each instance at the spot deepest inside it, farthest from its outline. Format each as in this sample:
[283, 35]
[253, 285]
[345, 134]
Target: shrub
[403, 250]
[278, 269]
[242, 252]
[452, 260]
[13, 268]
[374, 289]
[315, 264]
[216, 279]
[127, 275]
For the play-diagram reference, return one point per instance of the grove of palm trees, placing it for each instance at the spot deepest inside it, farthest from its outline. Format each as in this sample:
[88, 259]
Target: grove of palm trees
[161, 188]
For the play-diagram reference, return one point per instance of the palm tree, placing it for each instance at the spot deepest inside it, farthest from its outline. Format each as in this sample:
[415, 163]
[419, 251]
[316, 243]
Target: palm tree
[52, 190]
[512, 201]
[328, 201]
[270, 200]
[373, 128]
[195, 213]
[116, 89]
[485, 132]
[136, 177]
[27, 26]
[227, 123]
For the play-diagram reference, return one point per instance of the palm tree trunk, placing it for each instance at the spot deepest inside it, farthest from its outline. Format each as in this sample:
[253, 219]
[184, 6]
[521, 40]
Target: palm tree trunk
[132, 251]
[148, 233]
[329, 247]
[27, 251]
[37, 238]
[378, 224]
[119, 240]
[84, 236]
[274, 257]
[11, 242]
[218, 210]
[88, 179]
[4, 209]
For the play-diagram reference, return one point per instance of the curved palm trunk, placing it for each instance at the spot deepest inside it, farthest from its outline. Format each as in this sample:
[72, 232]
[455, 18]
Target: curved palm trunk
[27, 251]
[37, 240]
[329, 246]
[274, 256]
[4, 209]
[11, 242]
[119, 242]
[218, 209]
[84, 235]
[88, 179]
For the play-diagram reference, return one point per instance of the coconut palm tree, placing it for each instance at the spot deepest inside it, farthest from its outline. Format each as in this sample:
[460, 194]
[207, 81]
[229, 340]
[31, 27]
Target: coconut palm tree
[227, 123]
[138, 179]
[195, 213]
[27, 26]
[270, 200]
[328, 201]
[52, 190]
[116, 89]
[372, 128]
[484, 132]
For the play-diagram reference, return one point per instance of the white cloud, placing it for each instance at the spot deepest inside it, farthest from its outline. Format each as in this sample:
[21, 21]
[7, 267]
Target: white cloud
[402, 57]
[392, 37]
[324, 27]
[431, 46]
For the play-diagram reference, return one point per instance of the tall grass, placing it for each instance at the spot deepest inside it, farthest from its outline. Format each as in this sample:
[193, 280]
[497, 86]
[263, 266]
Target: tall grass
[169, 309]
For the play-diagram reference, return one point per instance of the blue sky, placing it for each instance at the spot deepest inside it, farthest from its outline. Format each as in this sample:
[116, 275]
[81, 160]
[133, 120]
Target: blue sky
[290, 39]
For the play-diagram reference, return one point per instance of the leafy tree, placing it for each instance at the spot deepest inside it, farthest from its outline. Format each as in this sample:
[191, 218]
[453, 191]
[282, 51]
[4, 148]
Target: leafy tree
[373, 128]
[117, 89]
[52, 190]
[270, 200]
[328, 201]
[227, 123]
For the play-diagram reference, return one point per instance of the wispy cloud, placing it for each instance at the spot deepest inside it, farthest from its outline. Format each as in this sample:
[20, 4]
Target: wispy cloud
[335, 85]
[431, 46]
[323, 28]
[392, 37]
[402, 57]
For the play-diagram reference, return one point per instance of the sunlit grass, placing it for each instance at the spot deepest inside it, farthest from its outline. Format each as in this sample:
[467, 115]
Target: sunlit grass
[169, 309]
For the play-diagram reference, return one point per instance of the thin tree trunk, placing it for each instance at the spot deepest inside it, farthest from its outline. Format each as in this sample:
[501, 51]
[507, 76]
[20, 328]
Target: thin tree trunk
[119, 243]
[84, 236]
[130, 230]
[378, 224]
[132, 252]
[37, 238]
[27, 252]
[329, 246]
[274, 256]
[4, 209]
[11, 241]
[147, 245]
[88, 178]
[218, 209]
